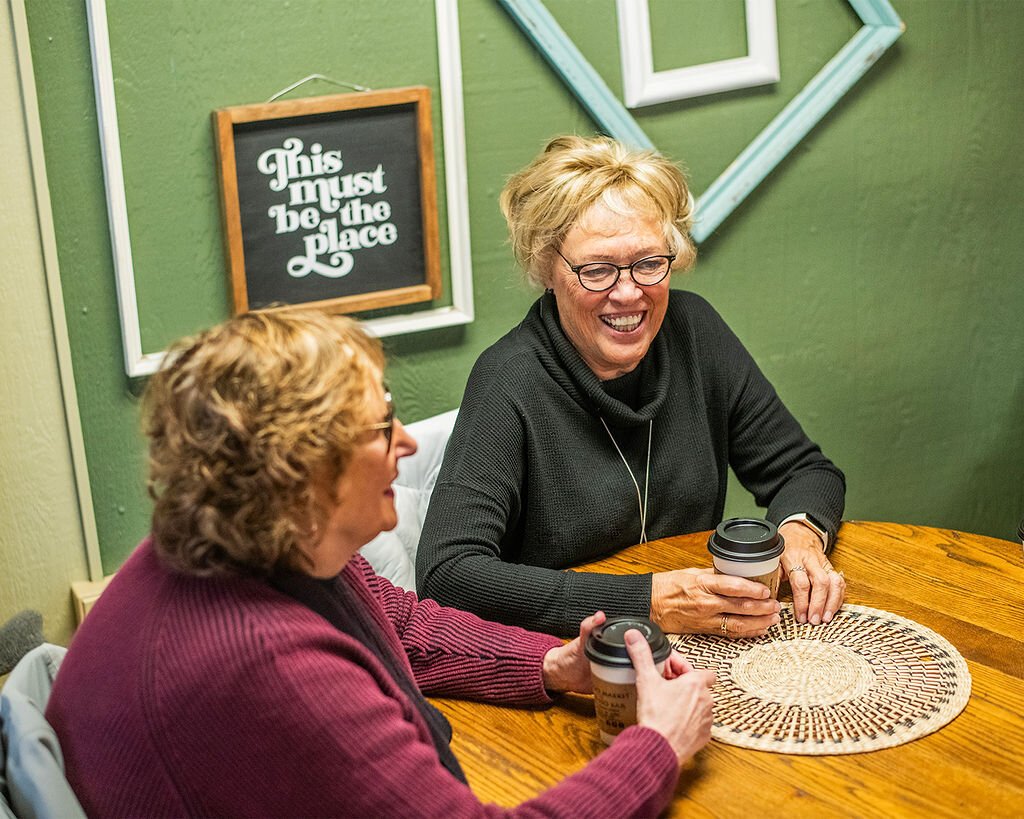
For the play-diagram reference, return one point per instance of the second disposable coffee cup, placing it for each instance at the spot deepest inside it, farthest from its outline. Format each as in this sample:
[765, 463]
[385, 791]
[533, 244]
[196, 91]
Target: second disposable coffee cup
[750, 548]
[612, 672]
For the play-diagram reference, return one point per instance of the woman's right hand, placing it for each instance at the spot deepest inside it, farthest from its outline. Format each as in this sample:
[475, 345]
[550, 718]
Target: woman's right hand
[698, 601]
[679, 708]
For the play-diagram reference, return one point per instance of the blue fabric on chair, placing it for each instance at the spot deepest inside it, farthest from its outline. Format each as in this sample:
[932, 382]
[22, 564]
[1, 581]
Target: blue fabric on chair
[393, 554]
[33, 781]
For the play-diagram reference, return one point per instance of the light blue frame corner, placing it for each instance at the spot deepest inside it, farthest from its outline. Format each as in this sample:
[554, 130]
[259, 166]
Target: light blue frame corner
[882, 27]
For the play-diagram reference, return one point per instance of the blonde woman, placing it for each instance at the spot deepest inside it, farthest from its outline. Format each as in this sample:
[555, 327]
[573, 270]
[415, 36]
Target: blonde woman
[247, 661]
[611, 415]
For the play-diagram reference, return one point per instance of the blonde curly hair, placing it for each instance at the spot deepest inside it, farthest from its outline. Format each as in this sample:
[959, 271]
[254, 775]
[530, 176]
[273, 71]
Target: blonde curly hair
[545, 200]
[251, 424]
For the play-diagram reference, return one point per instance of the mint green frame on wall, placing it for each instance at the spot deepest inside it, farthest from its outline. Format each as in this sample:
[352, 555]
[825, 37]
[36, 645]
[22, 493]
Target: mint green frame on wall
[139, 363]
[882, 27]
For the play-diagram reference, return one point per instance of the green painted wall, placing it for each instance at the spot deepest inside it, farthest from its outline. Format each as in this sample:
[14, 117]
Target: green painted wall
[875, 275]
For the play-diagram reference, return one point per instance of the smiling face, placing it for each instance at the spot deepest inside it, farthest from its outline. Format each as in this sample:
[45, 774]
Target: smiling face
[611, 330]
[365, 498]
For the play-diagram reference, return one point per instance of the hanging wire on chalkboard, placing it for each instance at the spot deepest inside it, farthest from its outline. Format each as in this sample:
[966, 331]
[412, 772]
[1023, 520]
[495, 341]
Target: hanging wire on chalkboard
[294, 85]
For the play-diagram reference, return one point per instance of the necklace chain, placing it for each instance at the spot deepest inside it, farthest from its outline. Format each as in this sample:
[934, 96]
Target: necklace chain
[647, 475]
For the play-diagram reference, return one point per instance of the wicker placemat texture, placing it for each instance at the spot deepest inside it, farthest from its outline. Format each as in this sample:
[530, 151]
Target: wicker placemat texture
[867, 680]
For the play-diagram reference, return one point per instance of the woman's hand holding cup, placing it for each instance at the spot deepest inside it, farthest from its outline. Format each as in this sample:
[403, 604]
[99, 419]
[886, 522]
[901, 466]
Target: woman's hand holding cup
[698, 601]
[566, 667]
[676, 702]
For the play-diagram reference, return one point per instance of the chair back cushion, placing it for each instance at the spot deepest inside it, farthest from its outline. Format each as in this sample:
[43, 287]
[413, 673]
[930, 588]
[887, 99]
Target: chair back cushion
[393, 554]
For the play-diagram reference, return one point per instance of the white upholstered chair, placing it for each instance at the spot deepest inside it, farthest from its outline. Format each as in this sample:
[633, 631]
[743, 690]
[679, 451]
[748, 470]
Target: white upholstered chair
[393, 554]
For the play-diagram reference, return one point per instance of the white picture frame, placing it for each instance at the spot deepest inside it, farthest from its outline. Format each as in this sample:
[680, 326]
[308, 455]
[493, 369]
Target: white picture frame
[138, 362]
[642, 85]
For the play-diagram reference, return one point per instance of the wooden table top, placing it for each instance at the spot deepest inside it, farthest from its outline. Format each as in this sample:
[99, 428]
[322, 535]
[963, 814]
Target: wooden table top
[968, 588]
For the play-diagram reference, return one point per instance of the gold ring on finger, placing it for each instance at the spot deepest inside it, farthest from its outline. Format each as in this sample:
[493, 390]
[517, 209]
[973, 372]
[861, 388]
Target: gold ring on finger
[725, 624]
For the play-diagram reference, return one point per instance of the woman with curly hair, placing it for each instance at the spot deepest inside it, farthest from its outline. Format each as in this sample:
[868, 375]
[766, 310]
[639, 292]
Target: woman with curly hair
[246, 660]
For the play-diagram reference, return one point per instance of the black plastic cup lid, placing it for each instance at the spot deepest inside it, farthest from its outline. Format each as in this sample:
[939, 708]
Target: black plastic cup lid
[746, 540]
[607, 643]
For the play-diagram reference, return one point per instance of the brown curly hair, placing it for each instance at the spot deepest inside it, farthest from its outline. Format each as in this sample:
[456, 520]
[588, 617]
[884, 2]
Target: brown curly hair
[545, 200]
[249, 423]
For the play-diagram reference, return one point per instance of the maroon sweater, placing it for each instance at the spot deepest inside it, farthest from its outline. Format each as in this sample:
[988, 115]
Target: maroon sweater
[222, 697]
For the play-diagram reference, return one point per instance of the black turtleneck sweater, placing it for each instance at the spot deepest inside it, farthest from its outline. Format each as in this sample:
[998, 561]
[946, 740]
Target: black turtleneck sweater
[531, 482]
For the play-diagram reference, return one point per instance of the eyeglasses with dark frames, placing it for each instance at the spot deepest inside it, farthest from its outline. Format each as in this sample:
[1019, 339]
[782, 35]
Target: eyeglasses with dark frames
[388, 424]
[600, 276]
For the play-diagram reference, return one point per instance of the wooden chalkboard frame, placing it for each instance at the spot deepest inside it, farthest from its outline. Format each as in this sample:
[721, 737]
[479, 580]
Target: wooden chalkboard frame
[319, 109]
[137, 361]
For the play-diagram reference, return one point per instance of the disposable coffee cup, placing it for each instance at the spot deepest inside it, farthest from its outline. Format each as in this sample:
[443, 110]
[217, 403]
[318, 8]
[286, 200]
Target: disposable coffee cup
[748, 548]
[612, 672]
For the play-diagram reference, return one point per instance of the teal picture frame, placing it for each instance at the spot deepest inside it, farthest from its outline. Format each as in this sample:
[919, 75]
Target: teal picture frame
[882, 26]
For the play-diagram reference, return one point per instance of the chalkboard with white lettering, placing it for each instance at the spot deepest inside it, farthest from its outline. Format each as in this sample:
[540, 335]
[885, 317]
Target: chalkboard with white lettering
[330, 200]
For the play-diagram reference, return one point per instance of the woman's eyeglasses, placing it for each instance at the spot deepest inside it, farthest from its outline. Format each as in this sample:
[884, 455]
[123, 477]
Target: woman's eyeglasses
[599, 276]
[388, 424]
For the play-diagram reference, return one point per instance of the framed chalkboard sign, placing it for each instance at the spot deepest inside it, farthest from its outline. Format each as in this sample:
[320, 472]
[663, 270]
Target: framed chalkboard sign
[330, 201]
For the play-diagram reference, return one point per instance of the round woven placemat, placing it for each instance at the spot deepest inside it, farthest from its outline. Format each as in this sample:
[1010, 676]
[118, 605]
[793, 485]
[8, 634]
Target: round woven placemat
[865, 681]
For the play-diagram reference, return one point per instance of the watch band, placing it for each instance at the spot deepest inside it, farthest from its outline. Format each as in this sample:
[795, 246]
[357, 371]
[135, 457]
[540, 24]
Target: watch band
[807, 521]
